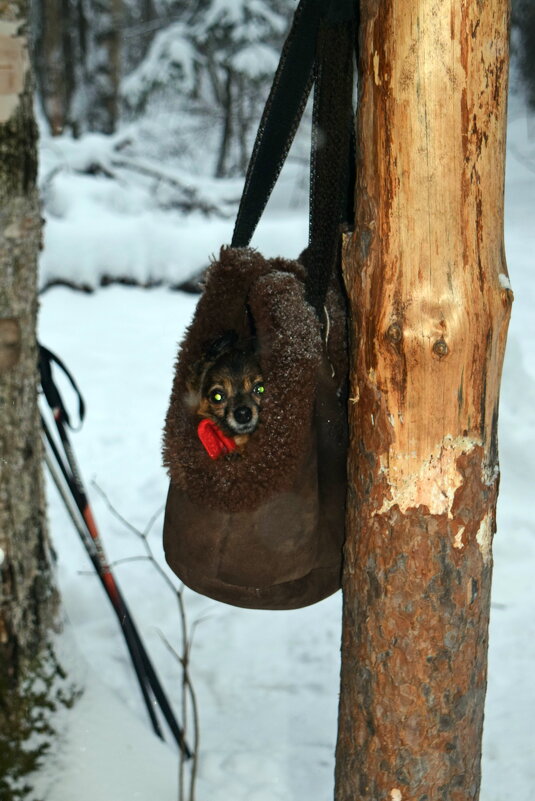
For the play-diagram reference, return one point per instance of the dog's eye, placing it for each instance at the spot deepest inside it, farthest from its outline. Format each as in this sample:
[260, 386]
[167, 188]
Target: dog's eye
[259, 389]
[217, 396]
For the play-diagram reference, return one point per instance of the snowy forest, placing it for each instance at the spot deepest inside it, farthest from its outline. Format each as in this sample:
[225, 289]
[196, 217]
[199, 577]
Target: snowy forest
[164, 97]
[147, 113]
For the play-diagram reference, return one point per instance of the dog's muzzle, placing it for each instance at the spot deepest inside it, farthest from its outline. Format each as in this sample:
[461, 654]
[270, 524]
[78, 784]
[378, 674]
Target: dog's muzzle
[243, 415]
[243, 419]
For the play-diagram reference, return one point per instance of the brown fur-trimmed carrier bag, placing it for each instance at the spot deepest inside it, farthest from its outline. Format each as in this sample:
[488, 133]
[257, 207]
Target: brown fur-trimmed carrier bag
[263, 527]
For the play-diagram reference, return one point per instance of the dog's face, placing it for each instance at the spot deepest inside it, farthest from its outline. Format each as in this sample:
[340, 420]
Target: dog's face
[231, 390]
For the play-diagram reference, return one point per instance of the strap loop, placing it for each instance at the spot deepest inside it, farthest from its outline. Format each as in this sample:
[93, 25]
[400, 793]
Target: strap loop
[50, 390]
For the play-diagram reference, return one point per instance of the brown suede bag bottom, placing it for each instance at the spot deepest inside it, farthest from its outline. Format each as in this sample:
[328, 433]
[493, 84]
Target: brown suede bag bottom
[265, 529]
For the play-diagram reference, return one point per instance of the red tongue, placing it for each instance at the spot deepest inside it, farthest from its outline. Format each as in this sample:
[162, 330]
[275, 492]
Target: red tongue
[214, 440]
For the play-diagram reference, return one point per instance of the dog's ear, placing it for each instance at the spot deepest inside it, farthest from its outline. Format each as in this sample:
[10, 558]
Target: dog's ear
[211, 352]
[193, 385]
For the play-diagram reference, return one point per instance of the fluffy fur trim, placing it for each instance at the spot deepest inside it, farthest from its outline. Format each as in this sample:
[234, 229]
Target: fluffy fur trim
[254, 297]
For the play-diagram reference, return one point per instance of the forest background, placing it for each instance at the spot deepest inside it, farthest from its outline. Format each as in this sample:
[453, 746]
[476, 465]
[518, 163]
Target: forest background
[147, 114]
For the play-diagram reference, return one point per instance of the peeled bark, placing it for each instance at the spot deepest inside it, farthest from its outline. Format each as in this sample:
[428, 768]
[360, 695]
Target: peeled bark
[430, 303]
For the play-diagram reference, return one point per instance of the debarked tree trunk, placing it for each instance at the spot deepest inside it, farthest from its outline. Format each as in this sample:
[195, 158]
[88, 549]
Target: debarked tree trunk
[430, 304]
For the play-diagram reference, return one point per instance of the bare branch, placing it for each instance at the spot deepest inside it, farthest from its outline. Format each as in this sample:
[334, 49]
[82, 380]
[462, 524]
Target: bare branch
[152, 521]
[115, 513]
[189, 698]
[123, 560]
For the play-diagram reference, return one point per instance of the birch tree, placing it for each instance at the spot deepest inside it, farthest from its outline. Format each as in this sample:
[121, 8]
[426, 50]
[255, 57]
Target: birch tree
[430, 304]
[27, 596]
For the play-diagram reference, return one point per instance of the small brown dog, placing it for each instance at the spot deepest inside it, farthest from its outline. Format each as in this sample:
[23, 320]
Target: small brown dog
[229, 387]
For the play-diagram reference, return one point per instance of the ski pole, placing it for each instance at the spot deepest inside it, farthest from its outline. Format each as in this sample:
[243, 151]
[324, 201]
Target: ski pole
[142, 664]
[102, 571]
[87, 529]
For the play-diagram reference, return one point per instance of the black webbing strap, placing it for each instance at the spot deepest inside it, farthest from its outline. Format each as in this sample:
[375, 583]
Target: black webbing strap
[332, 162]
[280, 119]
[319, 49]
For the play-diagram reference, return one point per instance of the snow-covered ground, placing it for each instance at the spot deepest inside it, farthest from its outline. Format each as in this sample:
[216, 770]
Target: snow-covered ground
[267, 683]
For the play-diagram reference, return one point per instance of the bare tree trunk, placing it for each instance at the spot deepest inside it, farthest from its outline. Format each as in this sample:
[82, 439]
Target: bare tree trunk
[50, 59]
[27, 596]
[141, 25]
[58, 55]
[227, 132]
[430, 305]
[103, 65]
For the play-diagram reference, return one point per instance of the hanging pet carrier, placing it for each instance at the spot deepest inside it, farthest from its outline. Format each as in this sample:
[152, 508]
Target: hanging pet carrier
[262, 526]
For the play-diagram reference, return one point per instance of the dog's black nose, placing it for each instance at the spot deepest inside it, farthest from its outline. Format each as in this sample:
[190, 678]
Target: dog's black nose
[243, 414]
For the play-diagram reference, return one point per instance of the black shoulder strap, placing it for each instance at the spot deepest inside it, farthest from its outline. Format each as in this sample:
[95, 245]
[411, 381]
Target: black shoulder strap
[280, 119]
[319, 49]
[332, 168]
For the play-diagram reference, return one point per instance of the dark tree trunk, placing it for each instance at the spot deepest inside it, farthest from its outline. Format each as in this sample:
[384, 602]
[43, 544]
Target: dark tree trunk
[524, 22]
[430, 302]
[50, 61]
[76, 50]
[227, 131]
[141, 25]
[58, 54]
[103, 66]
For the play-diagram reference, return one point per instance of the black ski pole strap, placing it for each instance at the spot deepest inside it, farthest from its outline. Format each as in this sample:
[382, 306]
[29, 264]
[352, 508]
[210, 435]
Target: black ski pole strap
[280, 119]
[50, 390]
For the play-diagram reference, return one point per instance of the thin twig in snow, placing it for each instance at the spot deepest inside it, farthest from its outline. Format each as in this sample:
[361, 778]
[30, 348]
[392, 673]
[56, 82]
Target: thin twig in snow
[188, 693]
